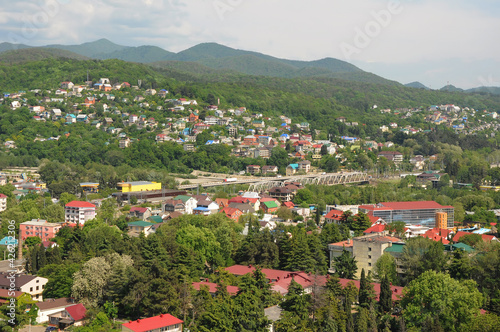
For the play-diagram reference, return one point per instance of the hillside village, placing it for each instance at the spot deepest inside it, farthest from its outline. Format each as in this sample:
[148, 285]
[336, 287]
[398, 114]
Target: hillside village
[281, 234]
[122, 110]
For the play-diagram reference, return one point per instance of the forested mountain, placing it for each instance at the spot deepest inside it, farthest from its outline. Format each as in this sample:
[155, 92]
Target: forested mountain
[416, 85]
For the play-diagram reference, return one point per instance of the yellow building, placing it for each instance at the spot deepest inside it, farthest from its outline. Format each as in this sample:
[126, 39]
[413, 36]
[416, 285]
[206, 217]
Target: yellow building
[127, 187]
[442, 220]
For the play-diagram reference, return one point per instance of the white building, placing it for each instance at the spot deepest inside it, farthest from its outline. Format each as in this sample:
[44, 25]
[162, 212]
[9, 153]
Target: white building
[79, 212]
[52, 306]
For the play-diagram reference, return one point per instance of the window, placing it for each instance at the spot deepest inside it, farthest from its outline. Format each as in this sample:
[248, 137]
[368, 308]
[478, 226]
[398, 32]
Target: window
[31, 289]
[369, 256]
[369, 249]
[369, 264]
[37, 287]
[37, 281]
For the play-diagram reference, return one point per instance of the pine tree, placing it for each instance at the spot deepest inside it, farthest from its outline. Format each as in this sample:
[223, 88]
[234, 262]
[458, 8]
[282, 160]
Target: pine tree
[385, 299]
[345, 265]
[366, 292]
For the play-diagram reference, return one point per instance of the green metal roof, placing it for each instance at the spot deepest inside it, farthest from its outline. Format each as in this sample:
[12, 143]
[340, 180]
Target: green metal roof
[155, 219]
[183, 198]
[140, 223]
[271, 204]
[459, 245]
[396, 247]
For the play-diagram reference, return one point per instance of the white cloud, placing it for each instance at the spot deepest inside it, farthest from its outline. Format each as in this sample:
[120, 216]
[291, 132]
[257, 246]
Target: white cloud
[424, 30]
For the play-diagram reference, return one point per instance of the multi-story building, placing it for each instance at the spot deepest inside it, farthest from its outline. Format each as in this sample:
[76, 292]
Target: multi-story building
[32, 285]
[79, 212]
[3, 202]
[367, 249]
[413, 213]
[39, 228]
[163, 322]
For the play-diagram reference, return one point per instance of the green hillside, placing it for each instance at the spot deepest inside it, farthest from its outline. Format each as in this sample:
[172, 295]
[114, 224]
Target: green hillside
[93, 49]
[36, 54]
[416, 85]
[142, 54]
[12, 47]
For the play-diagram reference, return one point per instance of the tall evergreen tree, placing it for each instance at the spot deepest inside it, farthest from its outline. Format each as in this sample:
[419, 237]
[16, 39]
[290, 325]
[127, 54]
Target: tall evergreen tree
[345, 265]
[366, 292]
[385, 299]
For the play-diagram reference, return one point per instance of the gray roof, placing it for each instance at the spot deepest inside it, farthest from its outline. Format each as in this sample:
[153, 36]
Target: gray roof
[55, 303]
[273, 313]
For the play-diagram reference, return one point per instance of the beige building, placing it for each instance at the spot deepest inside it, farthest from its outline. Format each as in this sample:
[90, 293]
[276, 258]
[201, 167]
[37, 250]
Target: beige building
[32, 285]
[366, 249]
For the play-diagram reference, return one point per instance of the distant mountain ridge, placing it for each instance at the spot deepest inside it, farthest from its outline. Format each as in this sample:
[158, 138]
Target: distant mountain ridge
[206, 57]
[217, 56]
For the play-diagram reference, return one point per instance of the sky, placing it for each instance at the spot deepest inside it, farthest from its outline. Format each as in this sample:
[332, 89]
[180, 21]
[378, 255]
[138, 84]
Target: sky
[435, 42]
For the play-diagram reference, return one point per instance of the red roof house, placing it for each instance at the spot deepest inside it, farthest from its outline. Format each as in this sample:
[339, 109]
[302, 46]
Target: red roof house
[162, 322]
[485, 237]
[232, 213]
[212, 287]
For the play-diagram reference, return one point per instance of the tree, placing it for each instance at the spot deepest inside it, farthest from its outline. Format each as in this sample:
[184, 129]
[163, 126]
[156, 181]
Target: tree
[460, 266]
[345, 265]
[385, 298]
[429, 297]
[366, 296]
[422, 254]
[386, 267]
[397, 228]
[359, 223]
[91, 281]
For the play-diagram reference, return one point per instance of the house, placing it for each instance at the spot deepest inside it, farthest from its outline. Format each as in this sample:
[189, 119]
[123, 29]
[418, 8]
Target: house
[269, 206]
[190, 203]
[193, 117]
[90, 101]
[243, 207]
[72, 315]
[292, 169]
[15, 104]
[138, 227]
[304, 166]
[79, 212]
[174, 205]
[334, 216]
[52, 306]
[124, 143]
[70, 118]
[232, 213]
[269, 169]
[485, 237]
[33, 285]
[253, 169]
[140, 212]
[160, 323]
[281, 193]
[222, 202]
[39, 228]
[253, 201]
[212, 207]
[394, 156]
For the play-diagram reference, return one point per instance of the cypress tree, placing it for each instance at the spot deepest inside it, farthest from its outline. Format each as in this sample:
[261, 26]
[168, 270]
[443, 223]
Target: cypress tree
[385, 300]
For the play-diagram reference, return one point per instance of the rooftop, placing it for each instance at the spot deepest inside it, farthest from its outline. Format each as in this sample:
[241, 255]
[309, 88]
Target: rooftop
[152, 323]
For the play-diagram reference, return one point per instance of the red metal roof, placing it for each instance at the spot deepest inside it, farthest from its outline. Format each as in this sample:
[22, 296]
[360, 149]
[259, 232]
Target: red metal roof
[485, 237]
[138, 209]
[80, 204]
[212, 287]
[375, 229]
[77, 311]
[334, 214]
[151, 323]
[3, 196]
[397, 291]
